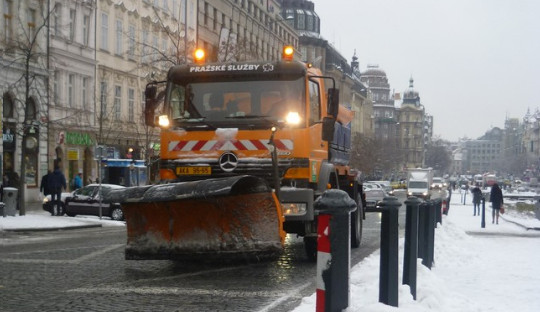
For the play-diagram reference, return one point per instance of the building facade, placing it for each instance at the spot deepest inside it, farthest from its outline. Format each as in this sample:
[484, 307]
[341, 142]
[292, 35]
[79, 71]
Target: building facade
[89, 62]
[412, 128]
[23, 83]
[71, 109]
[314, 49]
[384, 112]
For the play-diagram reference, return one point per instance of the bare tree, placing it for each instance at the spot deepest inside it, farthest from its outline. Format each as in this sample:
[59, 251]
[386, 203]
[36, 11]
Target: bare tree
[375, 157]
[25, 52]
[438, 157]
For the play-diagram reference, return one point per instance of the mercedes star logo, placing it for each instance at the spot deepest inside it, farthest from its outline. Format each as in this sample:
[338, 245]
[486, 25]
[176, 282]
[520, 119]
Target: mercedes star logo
[228, 162]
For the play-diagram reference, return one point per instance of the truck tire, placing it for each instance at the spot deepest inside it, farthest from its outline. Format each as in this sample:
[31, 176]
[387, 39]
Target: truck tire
[310, 246]
[357, 224]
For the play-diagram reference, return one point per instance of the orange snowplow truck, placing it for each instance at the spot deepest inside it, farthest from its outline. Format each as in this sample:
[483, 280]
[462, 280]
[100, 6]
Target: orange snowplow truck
[246, 148]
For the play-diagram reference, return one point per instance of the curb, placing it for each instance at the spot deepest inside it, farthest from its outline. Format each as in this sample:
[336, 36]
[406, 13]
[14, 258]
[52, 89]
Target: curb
[74, 227]
[519, 224]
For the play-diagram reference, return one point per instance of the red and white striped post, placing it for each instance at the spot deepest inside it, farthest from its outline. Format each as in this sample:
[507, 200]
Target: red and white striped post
[333, 249]
[324, 258]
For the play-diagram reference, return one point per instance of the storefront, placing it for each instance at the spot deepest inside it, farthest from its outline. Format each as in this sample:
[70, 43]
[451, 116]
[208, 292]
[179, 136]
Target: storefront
[77, 149]
[126, 172]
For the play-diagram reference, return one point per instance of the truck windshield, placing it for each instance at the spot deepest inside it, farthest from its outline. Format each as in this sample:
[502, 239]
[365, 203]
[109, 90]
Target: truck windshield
[238, 103]
[418, 185]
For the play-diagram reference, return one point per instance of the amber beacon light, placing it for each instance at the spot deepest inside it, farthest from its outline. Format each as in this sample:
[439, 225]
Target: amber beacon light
[288, 53]
[199, 56]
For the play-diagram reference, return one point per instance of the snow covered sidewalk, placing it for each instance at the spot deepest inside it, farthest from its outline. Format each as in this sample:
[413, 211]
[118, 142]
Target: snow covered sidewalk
[40, 220]
[496, 268]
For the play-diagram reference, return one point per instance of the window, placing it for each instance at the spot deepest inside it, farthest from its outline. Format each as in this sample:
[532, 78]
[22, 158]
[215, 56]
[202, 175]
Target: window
[131, 104]
[155, 53]
[215, 19]
[86, 30]
[175, 11]
[103, 98]
[57, 14]
[104, 31]
[314, 103]
[84, 91]
[119, 30]
[301, 22]
[71, 81]
[72, 15]
[206, 13]
[56, 87]
[31, 109]
[144, 57]
[31, 20]
[7, 105]
[8, 20]
[117, 101]
[131, 42]
[164, 48]
[309, 21]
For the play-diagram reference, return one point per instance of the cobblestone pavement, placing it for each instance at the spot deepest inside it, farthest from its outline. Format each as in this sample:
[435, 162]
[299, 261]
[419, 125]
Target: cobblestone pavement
[85, 270]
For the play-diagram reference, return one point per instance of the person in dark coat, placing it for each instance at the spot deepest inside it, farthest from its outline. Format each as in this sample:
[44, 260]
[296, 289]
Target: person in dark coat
[44, 186]
[476, 198]
[56, 182]
[496, 199]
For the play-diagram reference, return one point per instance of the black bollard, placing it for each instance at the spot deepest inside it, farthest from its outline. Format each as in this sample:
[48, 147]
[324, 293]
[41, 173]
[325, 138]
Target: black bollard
[438, 211]
[333, 249]
[429, 235]
[483, 212]
[388, 274]
[411, 244]
[422, 215]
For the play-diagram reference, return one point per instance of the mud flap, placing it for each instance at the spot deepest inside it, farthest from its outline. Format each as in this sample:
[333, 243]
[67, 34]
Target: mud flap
[228, 218]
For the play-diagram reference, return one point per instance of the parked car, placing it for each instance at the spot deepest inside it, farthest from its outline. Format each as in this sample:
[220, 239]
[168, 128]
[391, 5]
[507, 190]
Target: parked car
[48, 205]
[371, 186]
[383, 184]
[86, 201]
[373, 197]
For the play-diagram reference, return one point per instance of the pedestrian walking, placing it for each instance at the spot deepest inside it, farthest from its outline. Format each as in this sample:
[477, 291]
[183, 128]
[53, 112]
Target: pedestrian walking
[496, 199]
[44, 187]
[77, 181]
[476, 198]
[57, 182]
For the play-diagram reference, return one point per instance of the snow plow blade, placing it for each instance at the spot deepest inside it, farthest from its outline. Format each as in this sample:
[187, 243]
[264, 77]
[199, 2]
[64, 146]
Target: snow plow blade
[226, 219]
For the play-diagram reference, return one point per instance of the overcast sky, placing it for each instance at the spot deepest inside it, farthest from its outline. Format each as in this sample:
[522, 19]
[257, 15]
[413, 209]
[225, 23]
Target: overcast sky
[474, 62]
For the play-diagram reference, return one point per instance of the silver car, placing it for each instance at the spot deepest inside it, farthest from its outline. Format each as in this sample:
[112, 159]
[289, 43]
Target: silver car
[373, 198]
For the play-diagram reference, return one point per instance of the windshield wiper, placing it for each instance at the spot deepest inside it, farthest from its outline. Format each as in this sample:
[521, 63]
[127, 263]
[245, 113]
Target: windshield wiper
[194, 123]
[248, 117]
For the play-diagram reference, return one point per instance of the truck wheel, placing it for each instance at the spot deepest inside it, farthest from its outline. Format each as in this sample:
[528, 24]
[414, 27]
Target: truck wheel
[356, 225]
[310, 245]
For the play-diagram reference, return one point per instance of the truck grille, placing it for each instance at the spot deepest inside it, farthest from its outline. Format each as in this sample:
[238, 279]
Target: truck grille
[261, 168]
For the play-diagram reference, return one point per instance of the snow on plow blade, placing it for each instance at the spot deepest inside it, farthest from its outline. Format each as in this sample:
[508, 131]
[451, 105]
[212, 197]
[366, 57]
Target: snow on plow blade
[227, 218]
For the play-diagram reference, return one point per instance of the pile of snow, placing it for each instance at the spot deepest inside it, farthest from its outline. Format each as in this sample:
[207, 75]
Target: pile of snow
[496, 268]
[40, 220]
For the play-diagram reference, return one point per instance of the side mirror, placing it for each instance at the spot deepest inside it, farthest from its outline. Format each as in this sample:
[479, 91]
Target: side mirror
[333, 102]
[328, 124]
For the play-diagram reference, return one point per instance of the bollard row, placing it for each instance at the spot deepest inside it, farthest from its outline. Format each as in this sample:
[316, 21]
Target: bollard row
[333, 247]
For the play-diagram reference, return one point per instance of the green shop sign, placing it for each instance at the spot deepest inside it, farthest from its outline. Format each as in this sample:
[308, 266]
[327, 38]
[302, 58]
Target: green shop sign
[76, 138]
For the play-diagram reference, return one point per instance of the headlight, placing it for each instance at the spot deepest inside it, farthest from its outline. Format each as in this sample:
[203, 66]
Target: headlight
[163, 121]
[409, 193]
[294, 209]
[425, 193]
[293, 118]
[45, 200]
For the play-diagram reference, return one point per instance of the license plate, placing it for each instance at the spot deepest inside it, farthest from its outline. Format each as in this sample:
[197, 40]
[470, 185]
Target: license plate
[193, 170]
